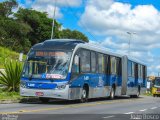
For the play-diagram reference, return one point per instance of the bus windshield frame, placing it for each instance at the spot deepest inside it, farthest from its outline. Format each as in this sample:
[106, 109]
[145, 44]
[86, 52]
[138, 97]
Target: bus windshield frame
[47, 64]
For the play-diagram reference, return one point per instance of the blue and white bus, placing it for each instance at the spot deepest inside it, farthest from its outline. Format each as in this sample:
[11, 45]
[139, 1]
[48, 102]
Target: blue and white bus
[71, 70]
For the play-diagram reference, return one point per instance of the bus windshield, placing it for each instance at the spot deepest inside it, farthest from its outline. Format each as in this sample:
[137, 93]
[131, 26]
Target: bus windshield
[47, 65]
[157, 82]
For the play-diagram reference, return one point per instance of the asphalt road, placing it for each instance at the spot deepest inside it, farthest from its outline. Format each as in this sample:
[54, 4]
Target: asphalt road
[96, 109]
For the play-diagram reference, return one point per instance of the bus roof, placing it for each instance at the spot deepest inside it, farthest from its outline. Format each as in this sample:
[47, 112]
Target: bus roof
[107, 51]
[56, 44]
[70, 44]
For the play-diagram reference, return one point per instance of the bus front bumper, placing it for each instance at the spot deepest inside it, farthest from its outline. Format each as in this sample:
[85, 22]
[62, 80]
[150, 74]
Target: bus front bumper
[48, 93]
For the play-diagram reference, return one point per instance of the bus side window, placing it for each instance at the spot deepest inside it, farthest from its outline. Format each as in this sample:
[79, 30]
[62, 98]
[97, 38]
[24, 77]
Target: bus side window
[76, 65]
[118, 62]
[144, 72]
[133, 69]
[85, 65]
[129, 68]
[93, 62]
[139, 71]
[106, 64]
[136, 70]
[144, 76]
[113, 65]
[101, 66]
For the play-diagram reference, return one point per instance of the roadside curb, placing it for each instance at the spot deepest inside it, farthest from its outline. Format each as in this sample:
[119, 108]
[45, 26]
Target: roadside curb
[9, 101]
[23, 100]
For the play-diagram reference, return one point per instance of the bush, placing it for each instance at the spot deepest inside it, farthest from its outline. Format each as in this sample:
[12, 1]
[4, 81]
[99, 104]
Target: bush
[11, 78]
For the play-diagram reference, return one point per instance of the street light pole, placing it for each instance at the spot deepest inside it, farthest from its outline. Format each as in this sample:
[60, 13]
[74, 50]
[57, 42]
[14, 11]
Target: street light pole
[129, 43]
[52, 34]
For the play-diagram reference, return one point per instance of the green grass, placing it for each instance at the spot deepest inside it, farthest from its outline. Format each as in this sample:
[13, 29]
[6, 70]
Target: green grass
[6, 55]
[148, 94]
[9, 95]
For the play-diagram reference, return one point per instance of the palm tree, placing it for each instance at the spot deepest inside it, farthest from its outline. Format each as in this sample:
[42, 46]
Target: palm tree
[10, 79]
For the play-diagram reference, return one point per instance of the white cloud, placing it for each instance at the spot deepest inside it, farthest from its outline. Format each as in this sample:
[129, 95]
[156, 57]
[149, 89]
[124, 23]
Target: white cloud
[113, 19]
[49, 5]
[49, 9]
[71, 3]
[120, 18]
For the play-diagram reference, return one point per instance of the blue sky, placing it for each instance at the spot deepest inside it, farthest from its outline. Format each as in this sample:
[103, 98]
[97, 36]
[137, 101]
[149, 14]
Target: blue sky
[106, 23]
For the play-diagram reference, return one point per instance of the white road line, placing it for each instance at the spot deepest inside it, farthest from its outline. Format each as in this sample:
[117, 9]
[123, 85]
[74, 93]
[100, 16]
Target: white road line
[129, 113]
[154, 108]
[108, 117]
[143, 110]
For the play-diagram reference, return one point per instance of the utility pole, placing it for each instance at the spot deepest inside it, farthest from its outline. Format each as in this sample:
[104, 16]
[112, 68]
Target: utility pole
[52, 34]
[129, 42]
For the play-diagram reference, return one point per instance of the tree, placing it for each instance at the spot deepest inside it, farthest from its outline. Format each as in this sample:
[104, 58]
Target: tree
[39, 22]
[67, 33]
[21, 30]
[6, 7]
[14, 35]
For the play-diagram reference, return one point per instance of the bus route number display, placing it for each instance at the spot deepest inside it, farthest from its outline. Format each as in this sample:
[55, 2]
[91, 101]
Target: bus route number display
[44, 53]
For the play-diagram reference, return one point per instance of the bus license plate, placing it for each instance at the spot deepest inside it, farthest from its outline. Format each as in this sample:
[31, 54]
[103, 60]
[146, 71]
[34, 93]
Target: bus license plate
[39, 94]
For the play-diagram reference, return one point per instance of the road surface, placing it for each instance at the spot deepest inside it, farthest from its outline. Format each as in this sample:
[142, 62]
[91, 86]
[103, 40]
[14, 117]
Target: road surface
[95, 109]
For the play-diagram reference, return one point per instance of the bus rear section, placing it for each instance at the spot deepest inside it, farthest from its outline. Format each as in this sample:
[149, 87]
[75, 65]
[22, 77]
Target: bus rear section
[137, 78]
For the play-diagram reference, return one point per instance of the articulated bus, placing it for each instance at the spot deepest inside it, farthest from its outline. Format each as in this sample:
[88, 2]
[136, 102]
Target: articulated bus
[74, 70]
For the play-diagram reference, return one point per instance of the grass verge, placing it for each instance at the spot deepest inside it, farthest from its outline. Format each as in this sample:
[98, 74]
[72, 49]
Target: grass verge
[10, 96]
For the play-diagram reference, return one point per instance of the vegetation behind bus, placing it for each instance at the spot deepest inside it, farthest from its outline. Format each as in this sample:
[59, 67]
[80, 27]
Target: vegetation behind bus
[19, 31]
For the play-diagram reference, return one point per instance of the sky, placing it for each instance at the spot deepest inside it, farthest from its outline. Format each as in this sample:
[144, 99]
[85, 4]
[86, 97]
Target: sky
[107, 23]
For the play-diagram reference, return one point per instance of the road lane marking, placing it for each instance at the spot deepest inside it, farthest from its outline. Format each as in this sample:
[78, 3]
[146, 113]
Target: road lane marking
[108, 117]
[153, 108]
[143, 110]
[129, 113]
[69, 106]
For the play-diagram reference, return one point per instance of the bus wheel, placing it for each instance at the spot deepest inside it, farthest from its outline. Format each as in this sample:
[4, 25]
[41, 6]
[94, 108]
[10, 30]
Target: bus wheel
[44, 100]
[83, 95]
[112, 93]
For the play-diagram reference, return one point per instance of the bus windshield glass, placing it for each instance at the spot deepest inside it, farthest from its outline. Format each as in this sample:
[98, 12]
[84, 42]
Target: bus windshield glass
[47, 65]
[157, 81]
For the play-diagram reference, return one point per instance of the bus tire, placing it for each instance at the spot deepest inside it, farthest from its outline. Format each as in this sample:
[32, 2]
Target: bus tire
[44, 100]
[84, 97]
[112, 93]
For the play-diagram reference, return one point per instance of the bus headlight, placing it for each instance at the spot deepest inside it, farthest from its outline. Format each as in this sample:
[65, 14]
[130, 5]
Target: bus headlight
[23, 84]
[60, 87]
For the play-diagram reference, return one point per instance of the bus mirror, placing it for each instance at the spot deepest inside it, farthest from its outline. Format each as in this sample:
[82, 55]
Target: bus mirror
[76, 60]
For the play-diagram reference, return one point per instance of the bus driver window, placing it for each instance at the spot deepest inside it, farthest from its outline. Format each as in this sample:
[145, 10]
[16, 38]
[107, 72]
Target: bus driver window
[75, 68]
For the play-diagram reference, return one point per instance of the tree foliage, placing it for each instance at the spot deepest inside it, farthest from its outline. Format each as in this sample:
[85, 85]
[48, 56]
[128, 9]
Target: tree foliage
[67, 33]
[19, 31]
[6, 7]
